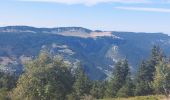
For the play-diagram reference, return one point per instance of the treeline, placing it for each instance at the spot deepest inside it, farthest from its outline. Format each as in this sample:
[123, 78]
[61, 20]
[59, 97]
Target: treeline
[50, 78]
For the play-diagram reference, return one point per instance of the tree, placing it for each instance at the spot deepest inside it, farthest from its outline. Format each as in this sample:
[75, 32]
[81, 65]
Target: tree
[98, 89]
[156, 56]
[113, 85]
[121, 74]
[7, 83]
[82, 84]
[127, 89]
[45, 78]
[142, 84]
[162, 78]
[4, 94]
[146, 71]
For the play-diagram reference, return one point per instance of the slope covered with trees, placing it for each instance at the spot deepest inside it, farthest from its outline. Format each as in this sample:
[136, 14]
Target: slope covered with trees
[50, 78]
[98, 51]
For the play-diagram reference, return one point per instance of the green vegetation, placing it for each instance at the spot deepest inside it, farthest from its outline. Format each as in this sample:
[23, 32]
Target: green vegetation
[50, 78]
[150, 97]
[121, 84]
[45, 79]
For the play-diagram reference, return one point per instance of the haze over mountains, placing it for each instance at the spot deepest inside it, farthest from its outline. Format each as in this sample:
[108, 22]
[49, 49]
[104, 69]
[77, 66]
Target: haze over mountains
[96, 50]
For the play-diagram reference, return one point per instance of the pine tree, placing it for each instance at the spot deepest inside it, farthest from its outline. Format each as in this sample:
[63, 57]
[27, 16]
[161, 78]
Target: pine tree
[120, 76]
[146, 71]
[114, 85]
[82, 84]
[142, 84]
[97, 90]
[127, 89]
[156, 56]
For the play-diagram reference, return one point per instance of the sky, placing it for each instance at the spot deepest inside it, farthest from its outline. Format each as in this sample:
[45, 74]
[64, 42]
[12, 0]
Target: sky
[108, 15]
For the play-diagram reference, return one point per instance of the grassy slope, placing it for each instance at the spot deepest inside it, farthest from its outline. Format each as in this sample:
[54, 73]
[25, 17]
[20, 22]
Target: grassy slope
[140, 98]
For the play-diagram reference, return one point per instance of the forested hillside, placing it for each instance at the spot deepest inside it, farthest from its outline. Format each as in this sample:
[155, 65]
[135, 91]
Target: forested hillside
[98, 51]
[48, 77]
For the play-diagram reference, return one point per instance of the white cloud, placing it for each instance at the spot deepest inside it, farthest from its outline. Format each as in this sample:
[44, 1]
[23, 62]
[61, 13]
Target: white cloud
[89, 2]
[164, 10]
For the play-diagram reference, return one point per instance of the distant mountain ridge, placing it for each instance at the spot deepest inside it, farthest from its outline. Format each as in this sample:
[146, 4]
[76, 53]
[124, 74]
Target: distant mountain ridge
[96, 50]
[37, 30]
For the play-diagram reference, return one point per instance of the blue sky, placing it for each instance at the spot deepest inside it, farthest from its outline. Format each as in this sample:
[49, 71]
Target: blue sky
[111, 15]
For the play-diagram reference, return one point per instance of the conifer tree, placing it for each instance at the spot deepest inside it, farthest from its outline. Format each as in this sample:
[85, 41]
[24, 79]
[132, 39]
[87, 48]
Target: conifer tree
[127, 89]
[82, 84]
[142, 84]
[113, 85]
[156, 56]
[97, 90]
[121, 75]
[146, 71]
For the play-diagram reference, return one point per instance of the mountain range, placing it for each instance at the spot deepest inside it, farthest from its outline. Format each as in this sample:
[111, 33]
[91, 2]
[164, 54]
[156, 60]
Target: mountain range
[98, 51]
